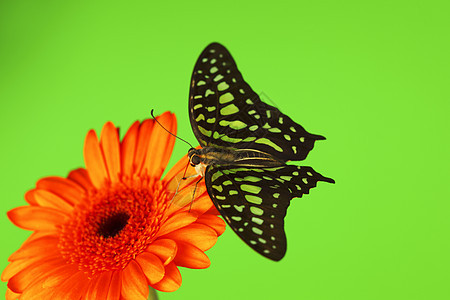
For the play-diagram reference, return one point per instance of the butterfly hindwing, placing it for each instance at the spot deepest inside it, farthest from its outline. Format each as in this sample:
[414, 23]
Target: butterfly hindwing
[253, 201]
[225, 112]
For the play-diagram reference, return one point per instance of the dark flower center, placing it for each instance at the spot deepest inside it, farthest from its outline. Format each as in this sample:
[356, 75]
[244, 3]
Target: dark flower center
[117, 224]
[112, 225]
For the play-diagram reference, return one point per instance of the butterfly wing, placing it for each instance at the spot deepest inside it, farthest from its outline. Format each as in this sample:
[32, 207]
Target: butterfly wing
[254, 201]
[225, 112]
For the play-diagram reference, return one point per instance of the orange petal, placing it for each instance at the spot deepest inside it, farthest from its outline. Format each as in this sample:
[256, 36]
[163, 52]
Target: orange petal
[176, 221]
[35, 235]
[128, 149]
[99, 287]
[145, 132]
[10, 295]
[165, 249]
[94, 160]
[62, 187]
[45, 198]
[71, 288]
[183, 201]
[29, 197]
[201, 204]
[171, 281]
[116, 285]
[160, 145]
[190, 256]
[212, 211]
[199, 235]
[214, 222]
[46, 285]
[43, 246]
[36, 218]
[110, 145]
[16, 266]
[81, 177]
[134, 282]
[20, 282]
[152, 267]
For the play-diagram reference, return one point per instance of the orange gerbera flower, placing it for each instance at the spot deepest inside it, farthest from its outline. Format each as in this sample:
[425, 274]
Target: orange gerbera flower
[112, 229]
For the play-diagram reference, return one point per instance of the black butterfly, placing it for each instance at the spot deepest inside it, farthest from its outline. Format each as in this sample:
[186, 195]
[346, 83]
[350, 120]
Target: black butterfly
[246, 144]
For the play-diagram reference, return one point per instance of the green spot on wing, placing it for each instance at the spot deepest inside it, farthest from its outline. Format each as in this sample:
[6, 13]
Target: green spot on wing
[225, 98]
[233, 124]
[204, 131]
[267, 142]
[253, 199]
[257, 230]
[248, 178]
[256, 210]
[200, 117]
[217, 187]
[251, 188]
[216, 175]
[229, 110]
[228, 139]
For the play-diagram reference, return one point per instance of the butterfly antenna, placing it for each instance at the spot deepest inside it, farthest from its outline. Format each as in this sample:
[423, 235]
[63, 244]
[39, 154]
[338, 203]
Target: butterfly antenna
[169, 131]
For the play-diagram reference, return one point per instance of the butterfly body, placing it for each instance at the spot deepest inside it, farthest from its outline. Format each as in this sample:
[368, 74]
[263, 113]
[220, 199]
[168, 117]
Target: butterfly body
[245, 146]
[238, 157]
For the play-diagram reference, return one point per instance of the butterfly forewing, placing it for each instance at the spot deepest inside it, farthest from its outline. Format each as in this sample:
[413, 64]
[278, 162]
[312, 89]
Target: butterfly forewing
[225, 112]
[253, 201]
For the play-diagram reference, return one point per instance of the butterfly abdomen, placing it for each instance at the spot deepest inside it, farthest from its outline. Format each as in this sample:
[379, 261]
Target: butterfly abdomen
[236, 157]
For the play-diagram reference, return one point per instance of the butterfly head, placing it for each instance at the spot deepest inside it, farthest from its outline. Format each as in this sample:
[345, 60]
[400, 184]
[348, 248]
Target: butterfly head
[196, 161]
[194, 158]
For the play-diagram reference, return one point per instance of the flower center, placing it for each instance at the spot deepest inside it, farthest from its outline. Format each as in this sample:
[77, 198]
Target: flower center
[114, 226]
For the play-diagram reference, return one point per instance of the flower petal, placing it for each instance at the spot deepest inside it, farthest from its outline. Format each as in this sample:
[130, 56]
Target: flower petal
[212, 221]
[99, 287]
[62, 187]
[36, 218]
[199, 235]
[20, 282]
[165, 249]
[29, 197]
[43, 246]
[110, 145]
[212, 211]
[171, 281]
[152, 267]
[176, 221]
[192, 257]
[94, 160]
[134, 282]
[116, 285]
[45, 198]
[145, 131]
[81, 177]
[128, 149]
[183, 201]
[10, 295]
[48, 283]
[72, 288]
[160, 145]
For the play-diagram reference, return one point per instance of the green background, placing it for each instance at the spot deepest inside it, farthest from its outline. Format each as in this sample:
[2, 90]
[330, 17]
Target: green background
[373, 77]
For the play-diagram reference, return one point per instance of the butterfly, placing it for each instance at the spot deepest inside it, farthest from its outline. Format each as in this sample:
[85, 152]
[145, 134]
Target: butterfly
[245, 146]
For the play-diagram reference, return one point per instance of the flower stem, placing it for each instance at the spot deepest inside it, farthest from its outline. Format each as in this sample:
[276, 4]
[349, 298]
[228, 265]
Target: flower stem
[152, 295]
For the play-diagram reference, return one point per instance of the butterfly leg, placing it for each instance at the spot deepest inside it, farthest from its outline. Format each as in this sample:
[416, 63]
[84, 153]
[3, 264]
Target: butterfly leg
[178, 186]
[195, 189]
